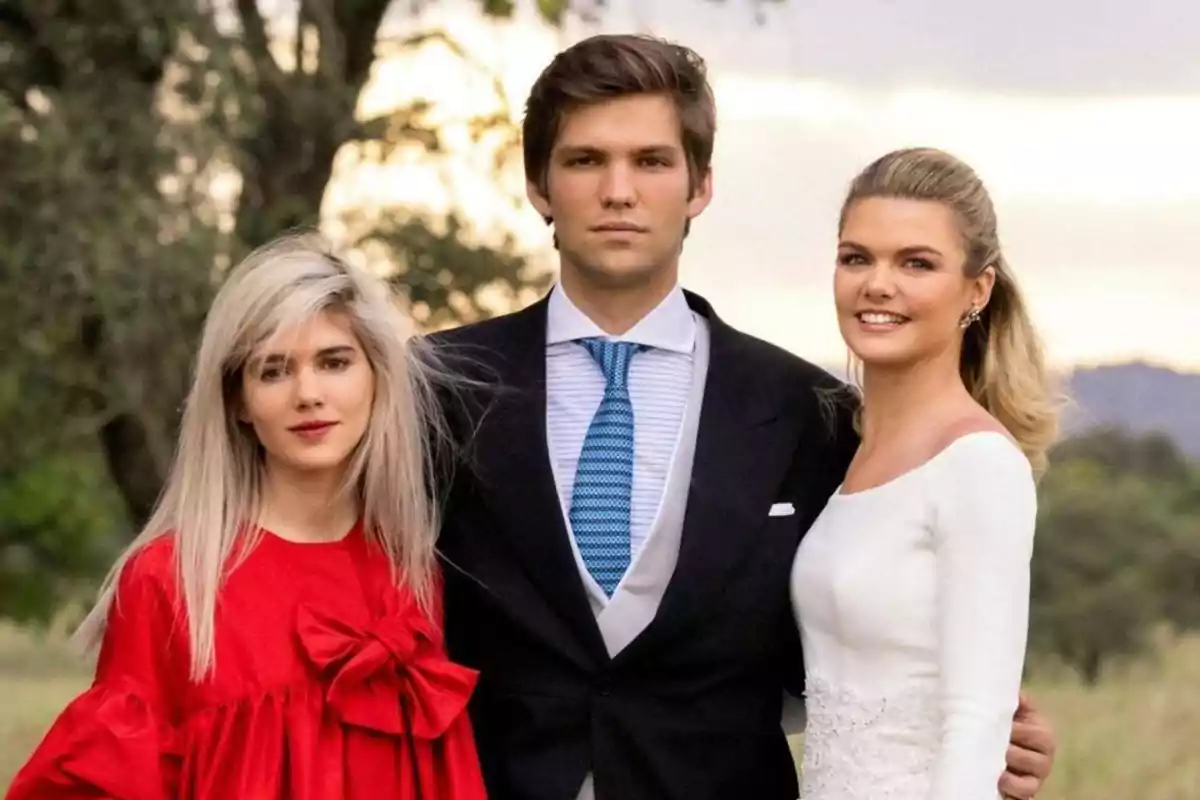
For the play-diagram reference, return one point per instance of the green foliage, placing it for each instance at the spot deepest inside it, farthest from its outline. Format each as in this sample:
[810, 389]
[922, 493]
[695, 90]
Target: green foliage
[107, 233]
[1117, 551]
[60, 527]
[1154, 456]
[1093, 576]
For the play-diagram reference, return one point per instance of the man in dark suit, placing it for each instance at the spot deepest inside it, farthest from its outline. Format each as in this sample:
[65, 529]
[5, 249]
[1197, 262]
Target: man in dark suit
[636, 477]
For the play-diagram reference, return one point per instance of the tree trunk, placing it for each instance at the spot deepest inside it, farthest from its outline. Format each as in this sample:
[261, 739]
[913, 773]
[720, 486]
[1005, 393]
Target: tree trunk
[128, 454]
[307, 115]
[1091, 666]
[283, 185]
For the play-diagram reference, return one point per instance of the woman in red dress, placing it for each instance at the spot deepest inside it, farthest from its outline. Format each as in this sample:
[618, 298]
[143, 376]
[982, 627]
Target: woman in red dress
[274, 632]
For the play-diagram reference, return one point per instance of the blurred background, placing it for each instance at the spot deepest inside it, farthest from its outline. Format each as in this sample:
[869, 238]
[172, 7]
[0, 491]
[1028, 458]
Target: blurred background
[146, 146]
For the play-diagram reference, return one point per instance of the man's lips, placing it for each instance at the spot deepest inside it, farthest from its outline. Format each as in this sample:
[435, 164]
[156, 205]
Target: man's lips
[618, 227]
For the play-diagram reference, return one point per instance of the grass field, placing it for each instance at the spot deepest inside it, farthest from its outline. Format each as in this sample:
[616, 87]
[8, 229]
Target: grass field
[1136, 735]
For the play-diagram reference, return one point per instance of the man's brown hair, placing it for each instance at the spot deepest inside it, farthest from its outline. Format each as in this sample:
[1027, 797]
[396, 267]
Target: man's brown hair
[618, 65]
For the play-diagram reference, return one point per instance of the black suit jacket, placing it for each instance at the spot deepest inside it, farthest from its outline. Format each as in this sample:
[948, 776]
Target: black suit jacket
[690, 710]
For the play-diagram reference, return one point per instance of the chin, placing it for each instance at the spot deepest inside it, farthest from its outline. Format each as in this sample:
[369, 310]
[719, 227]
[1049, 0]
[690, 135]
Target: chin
[313, 463]
[883, 357]
[883, 351]
[621, 268]
[618, 270]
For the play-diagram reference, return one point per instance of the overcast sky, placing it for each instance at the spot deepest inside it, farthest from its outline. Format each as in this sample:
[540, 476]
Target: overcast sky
[1085, 46]
[1083, 116]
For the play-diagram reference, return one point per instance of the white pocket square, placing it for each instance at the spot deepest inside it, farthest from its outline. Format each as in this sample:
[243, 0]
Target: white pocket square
[782, 510]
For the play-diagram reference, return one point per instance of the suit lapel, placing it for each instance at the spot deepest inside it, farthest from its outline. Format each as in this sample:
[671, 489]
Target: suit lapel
[514, 464]
[744, 445]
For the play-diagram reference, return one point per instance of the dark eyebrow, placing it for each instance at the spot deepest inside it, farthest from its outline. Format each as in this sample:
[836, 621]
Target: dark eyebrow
[592, 150]
[904, 251]
[336, 350]
[920, 249]
[580, 150]
[658, 148]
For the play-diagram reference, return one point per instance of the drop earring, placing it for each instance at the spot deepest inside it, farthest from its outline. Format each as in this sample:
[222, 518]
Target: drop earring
[970, 318]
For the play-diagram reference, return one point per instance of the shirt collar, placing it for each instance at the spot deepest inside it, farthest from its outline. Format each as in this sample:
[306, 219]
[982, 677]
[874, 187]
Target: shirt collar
[669, 326]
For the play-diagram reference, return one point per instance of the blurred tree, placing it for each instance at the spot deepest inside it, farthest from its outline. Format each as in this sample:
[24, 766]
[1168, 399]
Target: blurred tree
[1100, 541]
[60, 527]
[107, 237]
[1179, 574]
[1117, 550]
[1153, 456]
[1157, 460]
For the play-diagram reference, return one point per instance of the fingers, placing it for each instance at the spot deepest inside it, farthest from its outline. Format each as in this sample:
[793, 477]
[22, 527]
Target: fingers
[1027, 763]
[1036, 737]
[1026, 710]
[1018, 787]
[1030, 756]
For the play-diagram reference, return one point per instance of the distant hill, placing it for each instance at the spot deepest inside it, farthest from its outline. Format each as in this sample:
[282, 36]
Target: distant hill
[1139, 397]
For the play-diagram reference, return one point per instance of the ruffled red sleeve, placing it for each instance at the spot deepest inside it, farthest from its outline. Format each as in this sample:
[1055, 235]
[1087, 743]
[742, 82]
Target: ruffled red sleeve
[117, 740]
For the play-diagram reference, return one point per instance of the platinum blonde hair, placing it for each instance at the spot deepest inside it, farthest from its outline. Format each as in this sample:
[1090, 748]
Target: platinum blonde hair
[1002, 362]
[213, 494]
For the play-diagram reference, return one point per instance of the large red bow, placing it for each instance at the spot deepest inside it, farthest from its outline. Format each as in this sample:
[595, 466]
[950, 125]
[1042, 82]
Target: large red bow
[375, 668]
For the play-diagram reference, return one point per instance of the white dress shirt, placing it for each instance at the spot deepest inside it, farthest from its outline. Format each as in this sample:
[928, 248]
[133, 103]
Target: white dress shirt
[660, 380]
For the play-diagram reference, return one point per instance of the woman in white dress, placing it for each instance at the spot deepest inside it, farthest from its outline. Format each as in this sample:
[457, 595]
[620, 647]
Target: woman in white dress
[912, 588]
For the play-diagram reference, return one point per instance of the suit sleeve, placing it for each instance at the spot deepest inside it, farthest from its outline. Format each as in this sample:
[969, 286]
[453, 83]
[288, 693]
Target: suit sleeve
[839, 441]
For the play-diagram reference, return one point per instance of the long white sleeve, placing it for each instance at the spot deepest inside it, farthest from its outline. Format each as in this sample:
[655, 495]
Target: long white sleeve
[985, 507]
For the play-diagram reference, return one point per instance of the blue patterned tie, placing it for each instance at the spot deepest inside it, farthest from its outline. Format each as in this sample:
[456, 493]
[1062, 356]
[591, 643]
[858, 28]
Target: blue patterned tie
[600, 501]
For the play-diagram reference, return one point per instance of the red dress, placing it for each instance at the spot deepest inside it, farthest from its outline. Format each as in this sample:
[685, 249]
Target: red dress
[330, 684]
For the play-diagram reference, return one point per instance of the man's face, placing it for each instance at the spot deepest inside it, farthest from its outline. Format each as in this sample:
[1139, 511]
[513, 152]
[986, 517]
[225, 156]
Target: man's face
[619, 192]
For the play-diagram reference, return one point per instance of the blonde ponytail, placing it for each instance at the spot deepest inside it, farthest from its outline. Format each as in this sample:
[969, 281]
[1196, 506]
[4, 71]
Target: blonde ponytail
[1003, 367]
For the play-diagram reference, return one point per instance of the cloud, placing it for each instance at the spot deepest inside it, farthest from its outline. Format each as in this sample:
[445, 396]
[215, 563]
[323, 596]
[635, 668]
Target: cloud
[1051, 46]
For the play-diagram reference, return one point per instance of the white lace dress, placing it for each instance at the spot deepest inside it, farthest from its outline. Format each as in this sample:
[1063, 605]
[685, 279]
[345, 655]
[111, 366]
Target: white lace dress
[912, 599]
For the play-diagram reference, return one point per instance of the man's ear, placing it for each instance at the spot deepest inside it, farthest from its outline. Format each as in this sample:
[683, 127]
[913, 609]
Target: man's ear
[702, 193]
[539, 200]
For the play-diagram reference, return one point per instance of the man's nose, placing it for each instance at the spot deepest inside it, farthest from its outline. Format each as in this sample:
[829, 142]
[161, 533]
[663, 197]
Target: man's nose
[618, 187]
